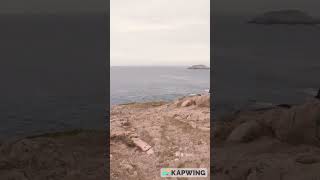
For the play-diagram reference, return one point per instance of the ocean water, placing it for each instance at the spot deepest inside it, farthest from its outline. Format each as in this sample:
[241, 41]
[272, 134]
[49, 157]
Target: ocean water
[271, 64]
[52, 72]
[141, 84]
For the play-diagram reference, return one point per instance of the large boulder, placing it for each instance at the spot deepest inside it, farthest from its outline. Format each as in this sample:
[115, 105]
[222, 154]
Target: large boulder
[188, 102]
[300, 124]
[297, 125]
[199, 101]
[202, 101]
[245, 132]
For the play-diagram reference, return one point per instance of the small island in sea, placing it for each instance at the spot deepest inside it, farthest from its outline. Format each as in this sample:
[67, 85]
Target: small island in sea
[199, 66]
[288, 17]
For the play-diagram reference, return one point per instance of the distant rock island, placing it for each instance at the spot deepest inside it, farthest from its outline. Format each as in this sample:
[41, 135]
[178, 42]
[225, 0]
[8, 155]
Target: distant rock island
[290, 17]
[198, 67]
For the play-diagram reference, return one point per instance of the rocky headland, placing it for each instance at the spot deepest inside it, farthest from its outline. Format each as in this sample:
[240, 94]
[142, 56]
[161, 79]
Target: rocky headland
[279, 143]
[288, 17]
[145, 137]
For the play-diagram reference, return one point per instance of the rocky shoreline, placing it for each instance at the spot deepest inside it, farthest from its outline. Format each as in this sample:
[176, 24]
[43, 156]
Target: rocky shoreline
[144, 138]
[278, 143]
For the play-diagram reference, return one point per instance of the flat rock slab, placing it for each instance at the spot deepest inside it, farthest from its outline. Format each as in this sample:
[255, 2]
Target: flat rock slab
[141, 144]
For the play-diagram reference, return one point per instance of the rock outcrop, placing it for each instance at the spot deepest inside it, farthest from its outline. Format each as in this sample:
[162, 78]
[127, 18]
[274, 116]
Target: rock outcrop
[277, 143]
[177, 133]
[74, 155]
[245, 132]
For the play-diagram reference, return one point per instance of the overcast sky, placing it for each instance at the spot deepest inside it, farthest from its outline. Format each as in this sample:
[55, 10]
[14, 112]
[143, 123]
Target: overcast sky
[160, 32]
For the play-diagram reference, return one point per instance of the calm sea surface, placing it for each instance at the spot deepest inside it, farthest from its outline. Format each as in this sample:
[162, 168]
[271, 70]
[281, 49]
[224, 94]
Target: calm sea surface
[52, 72]
[140, 84]
[273, 64]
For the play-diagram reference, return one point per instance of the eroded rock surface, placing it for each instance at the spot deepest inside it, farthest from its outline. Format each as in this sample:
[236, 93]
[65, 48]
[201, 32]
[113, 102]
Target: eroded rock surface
[178, 133]
[77, 155]
[278, 143]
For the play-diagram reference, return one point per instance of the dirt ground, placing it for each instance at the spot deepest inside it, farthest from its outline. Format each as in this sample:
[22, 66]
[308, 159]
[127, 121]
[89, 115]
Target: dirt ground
[73, 155]
[175, 134]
